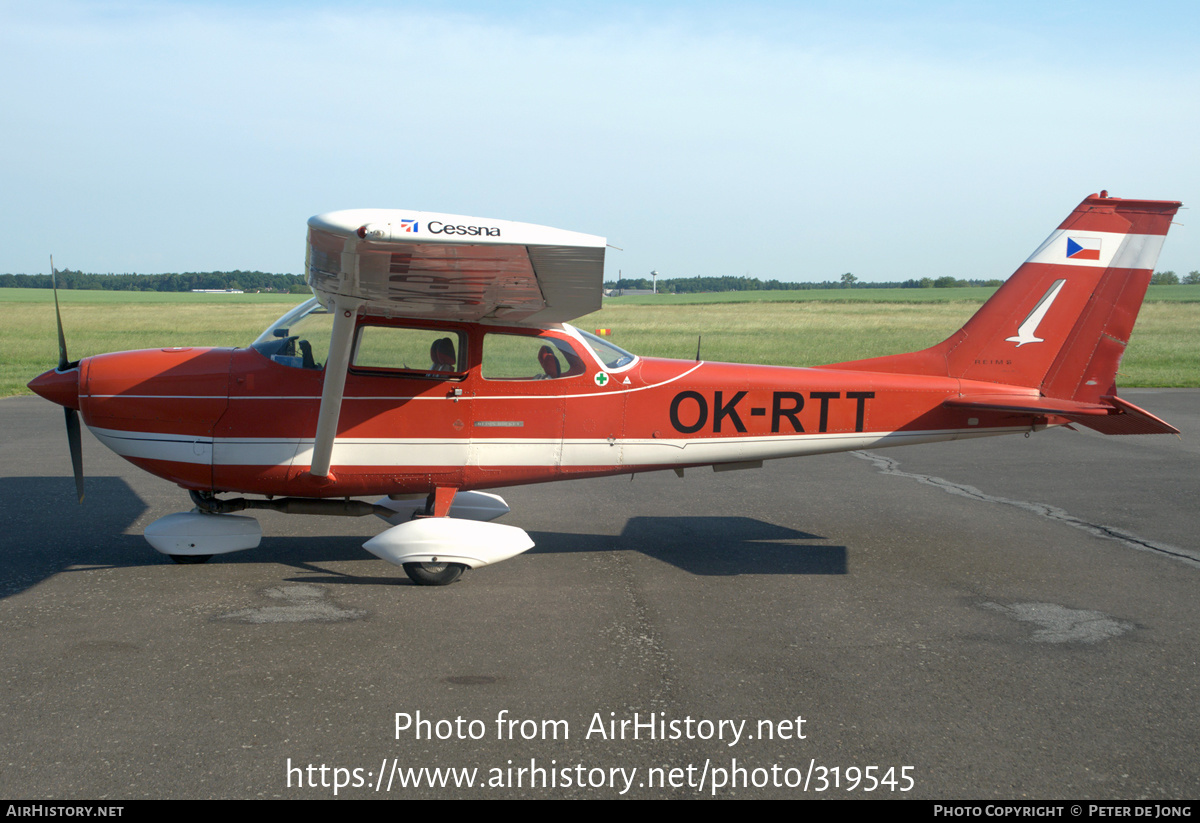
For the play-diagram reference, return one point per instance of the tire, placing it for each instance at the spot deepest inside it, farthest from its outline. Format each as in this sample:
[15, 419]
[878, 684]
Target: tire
[190, 559]
[433, 574]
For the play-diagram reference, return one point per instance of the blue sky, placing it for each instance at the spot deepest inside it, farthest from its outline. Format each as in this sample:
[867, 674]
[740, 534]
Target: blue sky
[782, 140]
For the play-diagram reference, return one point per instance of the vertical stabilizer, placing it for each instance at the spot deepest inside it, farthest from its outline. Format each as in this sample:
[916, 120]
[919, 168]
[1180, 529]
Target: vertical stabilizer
[1061, 322]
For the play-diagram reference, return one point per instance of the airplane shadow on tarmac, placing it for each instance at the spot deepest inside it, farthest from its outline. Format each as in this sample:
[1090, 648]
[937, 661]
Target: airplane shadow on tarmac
[706, 546]
[710, 546]
[46, 532]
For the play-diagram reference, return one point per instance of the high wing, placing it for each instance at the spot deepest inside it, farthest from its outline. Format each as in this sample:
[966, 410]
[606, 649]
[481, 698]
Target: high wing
[442, 266]
[451, 267]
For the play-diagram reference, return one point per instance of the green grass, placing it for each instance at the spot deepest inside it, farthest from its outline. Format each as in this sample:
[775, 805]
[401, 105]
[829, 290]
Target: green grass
[1174, 294]
[1164, 351]
[819, 327]
[96, 322]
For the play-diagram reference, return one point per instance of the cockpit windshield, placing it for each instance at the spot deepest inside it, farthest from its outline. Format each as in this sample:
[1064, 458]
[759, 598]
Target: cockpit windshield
[613, 357]
[300, 338]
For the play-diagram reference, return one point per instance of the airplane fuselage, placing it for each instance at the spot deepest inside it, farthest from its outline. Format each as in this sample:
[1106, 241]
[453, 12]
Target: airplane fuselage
[236, 420]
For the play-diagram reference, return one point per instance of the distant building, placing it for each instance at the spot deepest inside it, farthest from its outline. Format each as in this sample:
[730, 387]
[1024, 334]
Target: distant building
[219, 291]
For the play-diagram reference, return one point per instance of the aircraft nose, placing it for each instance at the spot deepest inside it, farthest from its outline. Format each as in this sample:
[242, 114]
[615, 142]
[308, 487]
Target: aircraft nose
[61, 387]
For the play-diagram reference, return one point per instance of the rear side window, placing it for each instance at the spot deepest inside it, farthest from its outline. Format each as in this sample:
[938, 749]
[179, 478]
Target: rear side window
[526, 357]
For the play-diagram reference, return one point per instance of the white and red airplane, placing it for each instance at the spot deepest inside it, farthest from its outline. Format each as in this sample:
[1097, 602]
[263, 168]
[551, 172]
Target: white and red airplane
[435, 361]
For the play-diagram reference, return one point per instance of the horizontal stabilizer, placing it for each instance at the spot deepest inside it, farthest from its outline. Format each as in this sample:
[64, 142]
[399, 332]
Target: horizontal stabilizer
[1112, 416]
[1131, 420]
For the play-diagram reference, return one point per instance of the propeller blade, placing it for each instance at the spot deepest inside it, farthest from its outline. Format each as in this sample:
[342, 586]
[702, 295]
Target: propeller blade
[74, 439]
[63, 361]
[76, 444]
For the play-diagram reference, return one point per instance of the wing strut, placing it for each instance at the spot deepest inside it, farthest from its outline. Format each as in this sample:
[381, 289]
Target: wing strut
[340, 343]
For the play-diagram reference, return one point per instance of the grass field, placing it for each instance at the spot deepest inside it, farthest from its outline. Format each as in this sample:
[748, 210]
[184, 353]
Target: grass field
[96, 322]
[1164, 351]
[818, 327]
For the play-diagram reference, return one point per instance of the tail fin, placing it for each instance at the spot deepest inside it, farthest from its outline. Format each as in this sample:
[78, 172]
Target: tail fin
[1061, 322]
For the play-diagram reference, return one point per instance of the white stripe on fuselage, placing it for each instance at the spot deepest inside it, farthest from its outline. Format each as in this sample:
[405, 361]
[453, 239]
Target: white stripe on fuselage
[500, 451]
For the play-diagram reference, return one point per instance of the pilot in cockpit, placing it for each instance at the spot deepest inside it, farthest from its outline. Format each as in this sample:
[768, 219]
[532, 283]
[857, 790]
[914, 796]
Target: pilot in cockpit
[442, 355]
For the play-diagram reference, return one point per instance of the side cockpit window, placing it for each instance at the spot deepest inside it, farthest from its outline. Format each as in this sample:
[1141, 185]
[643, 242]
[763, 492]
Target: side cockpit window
[528, 357]
[612, 356]
[413, 352]
[300, 338]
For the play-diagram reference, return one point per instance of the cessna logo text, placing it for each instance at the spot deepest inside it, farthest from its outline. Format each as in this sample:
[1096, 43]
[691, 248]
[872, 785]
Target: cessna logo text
[437, 227]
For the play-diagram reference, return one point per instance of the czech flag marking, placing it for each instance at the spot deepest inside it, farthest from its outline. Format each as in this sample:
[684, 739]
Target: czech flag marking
[1083, 248]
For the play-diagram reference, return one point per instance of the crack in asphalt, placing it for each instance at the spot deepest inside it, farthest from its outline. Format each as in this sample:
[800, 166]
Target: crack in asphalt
[886, 465]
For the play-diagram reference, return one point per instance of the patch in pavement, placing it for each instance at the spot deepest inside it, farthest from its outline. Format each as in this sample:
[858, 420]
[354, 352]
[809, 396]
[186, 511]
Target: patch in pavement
[300, 604]
[1062, 625]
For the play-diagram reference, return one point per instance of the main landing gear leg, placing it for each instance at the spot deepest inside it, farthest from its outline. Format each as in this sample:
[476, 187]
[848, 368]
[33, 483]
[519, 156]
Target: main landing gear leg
[435, 573]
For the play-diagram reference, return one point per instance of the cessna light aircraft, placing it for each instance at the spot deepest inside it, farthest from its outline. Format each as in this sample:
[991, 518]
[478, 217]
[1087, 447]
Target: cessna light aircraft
[435, 361]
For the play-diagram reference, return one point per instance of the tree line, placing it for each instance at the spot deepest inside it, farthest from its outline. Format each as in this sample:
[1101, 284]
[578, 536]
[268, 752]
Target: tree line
[1170, 278]
[691, 285]
[294, 283]
[238, 280]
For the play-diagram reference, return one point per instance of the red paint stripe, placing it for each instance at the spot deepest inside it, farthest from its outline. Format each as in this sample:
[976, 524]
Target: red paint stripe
[1113, 214]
